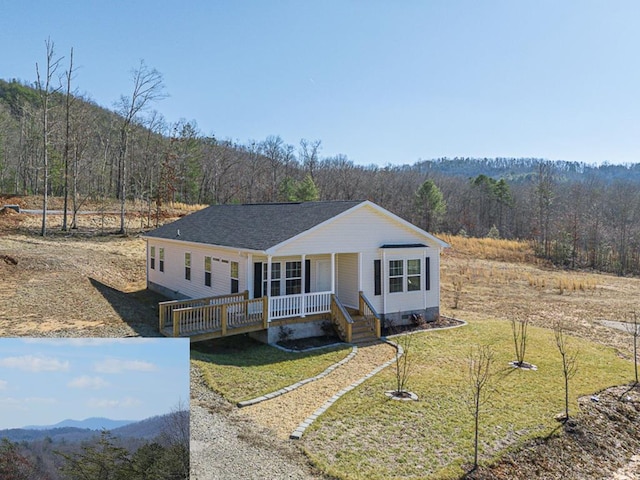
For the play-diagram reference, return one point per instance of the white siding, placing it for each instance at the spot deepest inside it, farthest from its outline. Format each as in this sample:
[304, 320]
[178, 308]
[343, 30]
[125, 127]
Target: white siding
[347, 285]
[365, 230]
[173, 277]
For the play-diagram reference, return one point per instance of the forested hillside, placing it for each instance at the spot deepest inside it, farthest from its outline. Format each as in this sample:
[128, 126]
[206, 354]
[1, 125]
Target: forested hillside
[577, 215]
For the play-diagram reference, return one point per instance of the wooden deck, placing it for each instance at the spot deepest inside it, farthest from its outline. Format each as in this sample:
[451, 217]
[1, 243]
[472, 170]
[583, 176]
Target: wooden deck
[214, 317]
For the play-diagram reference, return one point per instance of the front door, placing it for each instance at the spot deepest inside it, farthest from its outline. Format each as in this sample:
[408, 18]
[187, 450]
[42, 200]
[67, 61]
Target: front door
[323, 275]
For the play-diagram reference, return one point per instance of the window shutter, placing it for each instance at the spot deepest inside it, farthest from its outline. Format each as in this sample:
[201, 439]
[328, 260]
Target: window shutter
[257, 280]
[307, 276]
[377, 277]
[427, 273]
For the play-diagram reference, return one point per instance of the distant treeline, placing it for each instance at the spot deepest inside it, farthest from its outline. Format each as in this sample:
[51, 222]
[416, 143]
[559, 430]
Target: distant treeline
[159, 452]
[577, 215]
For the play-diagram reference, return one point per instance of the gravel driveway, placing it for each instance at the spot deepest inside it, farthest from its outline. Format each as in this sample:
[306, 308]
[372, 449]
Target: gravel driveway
[226, 445]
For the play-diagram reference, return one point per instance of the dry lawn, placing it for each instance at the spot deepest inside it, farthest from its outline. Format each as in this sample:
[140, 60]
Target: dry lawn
[505, 287]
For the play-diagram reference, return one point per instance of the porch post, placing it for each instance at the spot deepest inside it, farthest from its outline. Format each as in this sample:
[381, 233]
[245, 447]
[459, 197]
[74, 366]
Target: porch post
[268, 292]
[360, 271]
[303, 306]
[333, 273]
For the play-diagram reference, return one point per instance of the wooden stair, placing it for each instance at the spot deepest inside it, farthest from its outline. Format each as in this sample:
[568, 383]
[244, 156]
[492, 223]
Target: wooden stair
[361, 332]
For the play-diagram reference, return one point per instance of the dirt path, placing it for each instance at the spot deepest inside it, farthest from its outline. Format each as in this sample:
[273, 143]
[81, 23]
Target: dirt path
[284, 413]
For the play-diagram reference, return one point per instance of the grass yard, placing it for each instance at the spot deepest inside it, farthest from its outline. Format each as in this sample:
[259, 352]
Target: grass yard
[366, 435]
[240, 369]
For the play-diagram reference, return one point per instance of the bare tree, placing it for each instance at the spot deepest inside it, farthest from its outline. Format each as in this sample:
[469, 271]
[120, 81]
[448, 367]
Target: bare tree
[67, 140]
[404, 356]
[480, 378]
[45, 91]
[148, 87]
[633, 327]
[519, 331]
[569, 362]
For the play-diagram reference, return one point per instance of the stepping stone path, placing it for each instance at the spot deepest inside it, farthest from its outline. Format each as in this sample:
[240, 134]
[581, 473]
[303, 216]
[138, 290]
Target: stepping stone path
[284, 413]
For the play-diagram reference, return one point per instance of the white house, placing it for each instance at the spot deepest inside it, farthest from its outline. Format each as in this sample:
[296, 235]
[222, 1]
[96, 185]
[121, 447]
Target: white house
[254, 267]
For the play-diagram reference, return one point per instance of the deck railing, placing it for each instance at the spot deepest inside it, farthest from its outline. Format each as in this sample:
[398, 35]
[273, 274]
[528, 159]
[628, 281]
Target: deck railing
[369, 313]
[299, 305]
[166, 308]
[219, 318]
[341, 319]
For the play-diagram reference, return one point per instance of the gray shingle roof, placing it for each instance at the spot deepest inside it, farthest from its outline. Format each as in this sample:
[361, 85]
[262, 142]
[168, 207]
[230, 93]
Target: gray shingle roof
[251, 226]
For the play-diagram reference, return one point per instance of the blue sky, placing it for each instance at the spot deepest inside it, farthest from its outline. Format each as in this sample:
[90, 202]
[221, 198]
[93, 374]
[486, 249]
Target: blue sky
[45, 381]
[382, 82]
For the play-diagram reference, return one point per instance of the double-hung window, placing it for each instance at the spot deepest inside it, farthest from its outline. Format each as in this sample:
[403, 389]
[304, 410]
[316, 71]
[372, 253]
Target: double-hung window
[161, 259]
[187, 266]
[396, 275]
[276, 275]
[293, 276]
[152, 256]
[207, 271]
[413, 275]
[235, 284]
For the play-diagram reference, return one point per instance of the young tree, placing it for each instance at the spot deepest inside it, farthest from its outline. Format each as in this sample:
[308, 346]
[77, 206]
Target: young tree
[519, 331]
[67, 140]
[403, 365]
[569, 362]
[480, 378]
[633, 327]
[148, 87]
[45, 92]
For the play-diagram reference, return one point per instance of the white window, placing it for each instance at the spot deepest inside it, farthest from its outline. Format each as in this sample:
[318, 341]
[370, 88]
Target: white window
[276, 275]
[235, 284]
[152, 256]
[187, 266]
[293, 272]
[161, 259]
[396, 276]
[207, 271]
[413, 275]
[405, 272]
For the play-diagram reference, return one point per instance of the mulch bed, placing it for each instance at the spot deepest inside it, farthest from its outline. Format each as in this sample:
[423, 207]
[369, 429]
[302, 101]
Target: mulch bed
[312, 342]
[441, 322]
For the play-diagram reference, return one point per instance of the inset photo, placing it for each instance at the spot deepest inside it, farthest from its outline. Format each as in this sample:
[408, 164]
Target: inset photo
[79, 407]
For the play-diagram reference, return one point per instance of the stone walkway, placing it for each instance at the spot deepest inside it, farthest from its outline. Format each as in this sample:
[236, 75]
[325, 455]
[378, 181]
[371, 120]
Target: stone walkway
[285, 413]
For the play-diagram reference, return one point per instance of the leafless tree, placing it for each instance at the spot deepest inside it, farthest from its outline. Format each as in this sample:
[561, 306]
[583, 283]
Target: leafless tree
[404, 356]
[45, 91]
[519, 331]
[569, 361]
[633, 327]
[148, 87]
[67, 139]
[480, 378]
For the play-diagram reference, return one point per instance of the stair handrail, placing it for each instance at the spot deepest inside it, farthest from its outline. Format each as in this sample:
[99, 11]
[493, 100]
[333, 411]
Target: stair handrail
[341, 318]
[369, 313]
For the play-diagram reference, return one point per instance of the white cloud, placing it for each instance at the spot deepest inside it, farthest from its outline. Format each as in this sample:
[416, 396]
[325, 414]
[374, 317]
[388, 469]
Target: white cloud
[32, 363]
[114, 365]
[110, 403]
[93, 383]
[3, 384]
